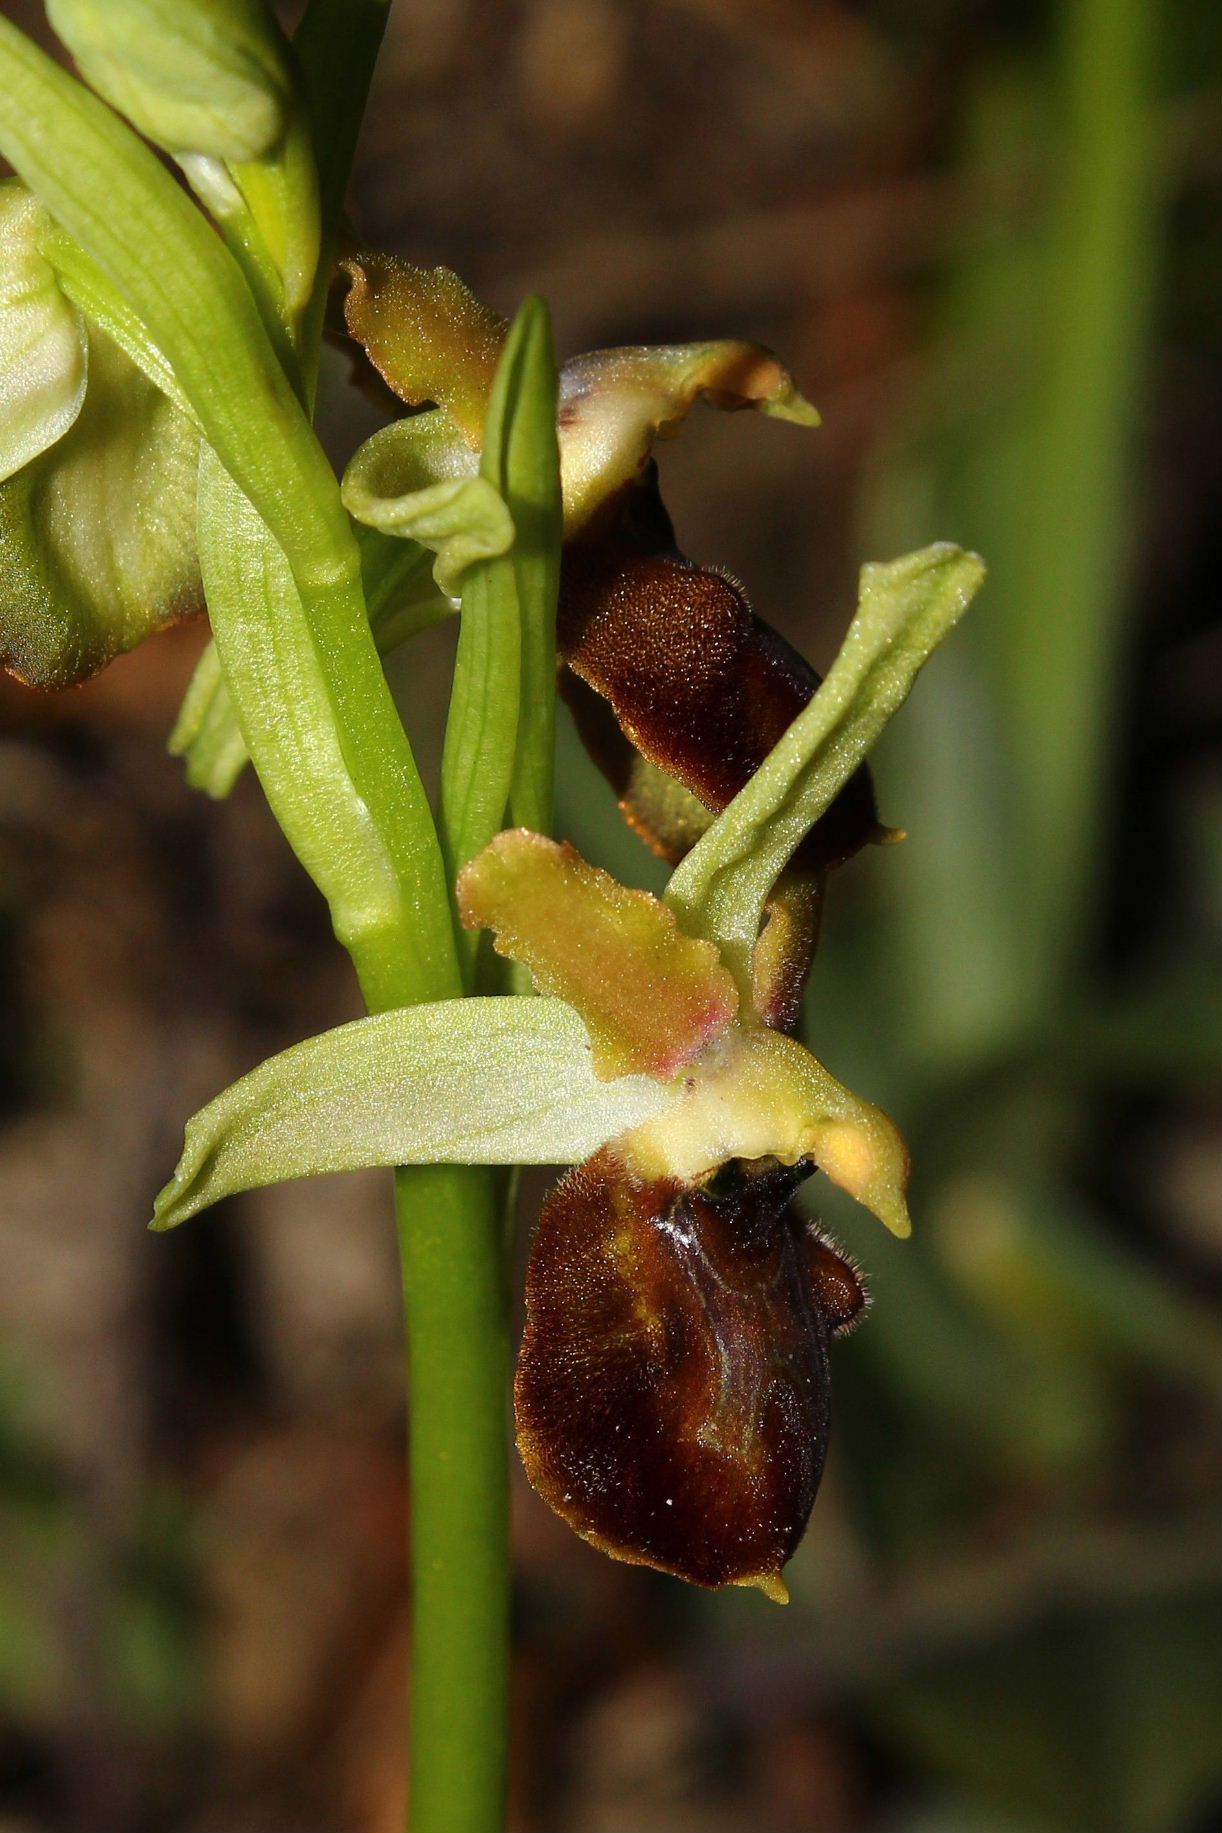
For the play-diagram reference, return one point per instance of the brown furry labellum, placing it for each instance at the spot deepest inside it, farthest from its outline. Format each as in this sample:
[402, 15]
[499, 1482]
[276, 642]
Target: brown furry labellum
[697, 685]
[672, 1393]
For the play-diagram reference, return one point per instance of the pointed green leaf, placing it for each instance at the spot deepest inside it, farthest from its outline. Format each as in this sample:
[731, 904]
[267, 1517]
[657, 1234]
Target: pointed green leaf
[906, 607]
[43, 349]
[471, 1081]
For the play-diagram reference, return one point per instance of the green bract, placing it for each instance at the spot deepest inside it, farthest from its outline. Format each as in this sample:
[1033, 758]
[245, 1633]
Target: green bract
[43, 352]
[209, 77]
[905, 608]
[97, 533]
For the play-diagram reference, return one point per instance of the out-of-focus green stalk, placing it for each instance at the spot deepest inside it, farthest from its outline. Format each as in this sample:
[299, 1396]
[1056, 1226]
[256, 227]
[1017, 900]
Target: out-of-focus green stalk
[1060, 647]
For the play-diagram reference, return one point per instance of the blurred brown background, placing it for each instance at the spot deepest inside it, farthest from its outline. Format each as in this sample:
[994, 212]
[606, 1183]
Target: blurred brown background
[1003, 1616]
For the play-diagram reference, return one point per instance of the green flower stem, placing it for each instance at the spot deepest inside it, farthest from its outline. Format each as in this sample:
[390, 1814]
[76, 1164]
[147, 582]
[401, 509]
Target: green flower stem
[456, 1293]
[451, 1243]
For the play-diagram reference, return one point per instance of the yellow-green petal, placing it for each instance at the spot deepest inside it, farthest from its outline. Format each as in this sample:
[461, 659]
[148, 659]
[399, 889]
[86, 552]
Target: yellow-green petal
[651, 997]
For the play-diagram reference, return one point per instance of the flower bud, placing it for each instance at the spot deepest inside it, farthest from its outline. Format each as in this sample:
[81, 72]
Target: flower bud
[43, 351]
[97, 533]
[193, 76]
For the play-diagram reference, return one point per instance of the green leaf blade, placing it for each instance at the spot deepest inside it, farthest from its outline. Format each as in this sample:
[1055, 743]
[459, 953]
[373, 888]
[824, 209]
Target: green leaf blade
[474, 1081]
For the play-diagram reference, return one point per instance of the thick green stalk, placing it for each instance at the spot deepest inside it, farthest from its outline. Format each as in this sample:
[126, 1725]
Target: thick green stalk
[458, 1365]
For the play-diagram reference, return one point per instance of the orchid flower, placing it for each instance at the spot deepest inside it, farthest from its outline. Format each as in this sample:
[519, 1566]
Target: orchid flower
[672, 1393]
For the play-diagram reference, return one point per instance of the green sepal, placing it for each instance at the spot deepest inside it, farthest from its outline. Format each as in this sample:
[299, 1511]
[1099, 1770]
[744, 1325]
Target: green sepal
[469, 1081]
[97, 534]
[905, 609]
[43, 346]
[194, 76]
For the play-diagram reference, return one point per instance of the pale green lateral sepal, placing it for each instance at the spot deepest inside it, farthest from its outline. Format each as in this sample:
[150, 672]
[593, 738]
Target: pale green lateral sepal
[471, 1081]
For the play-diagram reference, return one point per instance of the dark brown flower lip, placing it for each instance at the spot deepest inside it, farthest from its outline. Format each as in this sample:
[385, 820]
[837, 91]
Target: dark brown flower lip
[672, 1394]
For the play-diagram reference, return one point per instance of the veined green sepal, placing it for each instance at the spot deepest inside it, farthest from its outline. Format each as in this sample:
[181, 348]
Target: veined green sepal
[905, 609]
[471, 1081]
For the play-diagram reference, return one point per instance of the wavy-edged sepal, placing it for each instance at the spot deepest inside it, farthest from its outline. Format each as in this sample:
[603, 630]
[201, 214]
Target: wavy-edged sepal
[97, 534]
[672, 1393]
[614, 404]
[699, 685]
[426, 334]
